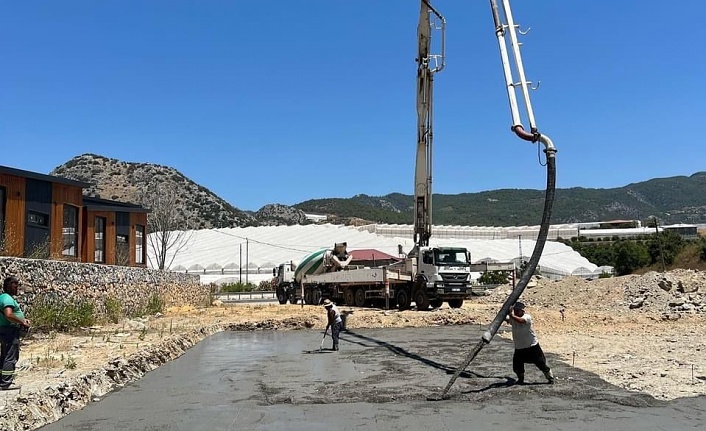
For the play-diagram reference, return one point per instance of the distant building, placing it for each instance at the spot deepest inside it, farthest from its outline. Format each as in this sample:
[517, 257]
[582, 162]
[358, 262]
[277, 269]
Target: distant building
[316, 218]
[621, 233]
[124, 227]
[620, 224]
[47, 217]
[687, 231]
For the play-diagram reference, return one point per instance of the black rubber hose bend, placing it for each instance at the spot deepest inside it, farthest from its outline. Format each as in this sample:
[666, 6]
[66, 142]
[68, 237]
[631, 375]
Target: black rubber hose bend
[524, 279]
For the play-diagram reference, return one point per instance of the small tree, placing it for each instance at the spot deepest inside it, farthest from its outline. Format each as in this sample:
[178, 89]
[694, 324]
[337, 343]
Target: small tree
[630, 256]
[494, 277]
[168, 232]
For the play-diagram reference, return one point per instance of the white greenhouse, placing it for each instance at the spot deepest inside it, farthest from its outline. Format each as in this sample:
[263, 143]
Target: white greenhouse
[249, 254]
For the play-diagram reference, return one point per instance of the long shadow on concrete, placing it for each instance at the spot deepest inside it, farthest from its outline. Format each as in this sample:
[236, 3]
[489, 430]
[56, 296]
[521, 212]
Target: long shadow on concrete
[403, 352]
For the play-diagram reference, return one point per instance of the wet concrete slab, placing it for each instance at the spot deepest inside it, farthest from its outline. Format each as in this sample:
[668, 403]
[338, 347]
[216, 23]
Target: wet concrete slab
[380, 379]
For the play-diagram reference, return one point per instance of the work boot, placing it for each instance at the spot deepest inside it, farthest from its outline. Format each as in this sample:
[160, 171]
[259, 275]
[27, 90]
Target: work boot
[11, 387]
[335, 347]
[520, 379]
[550, 377]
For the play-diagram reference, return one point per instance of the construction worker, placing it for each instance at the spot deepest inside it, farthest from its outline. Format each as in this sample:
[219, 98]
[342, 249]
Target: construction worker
[335, 322]
[12, 321]
[527, 348]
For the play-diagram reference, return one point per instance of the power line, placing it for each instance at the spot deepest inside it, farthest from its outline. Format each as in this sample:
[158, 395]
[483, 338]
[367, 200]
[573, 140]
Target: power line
[262, 242]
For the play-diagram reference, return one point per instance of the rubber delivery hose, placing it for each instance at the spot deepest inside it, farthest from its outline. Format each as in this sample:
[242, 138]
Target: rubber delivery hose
[524, 279]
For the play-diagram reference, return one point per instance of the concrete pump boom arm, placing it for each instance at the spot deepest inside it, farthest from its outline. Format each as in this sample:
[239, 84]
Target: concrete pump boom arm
[427, 65]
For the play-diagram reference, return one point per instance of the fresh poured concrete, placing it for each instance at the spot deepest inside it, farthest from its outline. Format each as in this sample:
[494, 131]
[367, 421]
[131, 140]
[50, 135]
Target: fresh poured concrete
[380, 380]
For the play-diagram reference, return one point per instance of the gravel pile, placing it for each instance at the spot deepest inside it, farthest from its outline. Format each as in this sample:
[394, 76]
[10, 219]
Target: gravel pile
[670, 294]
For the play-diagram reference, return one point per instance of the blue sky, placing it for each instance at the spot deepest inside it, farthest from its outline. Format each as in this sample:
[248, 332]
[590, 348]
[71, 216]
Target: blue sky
[283, 101]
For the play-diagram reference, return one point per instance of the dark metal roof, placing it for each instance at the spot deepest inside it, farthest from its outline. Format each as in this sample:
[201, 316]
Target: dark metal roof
[41, 177]
[98, 204]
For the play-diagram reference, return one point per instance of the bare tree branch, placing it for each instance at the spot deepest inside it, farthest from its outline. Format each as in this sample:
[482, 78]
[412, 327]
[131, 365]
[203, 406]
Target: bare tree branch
[169, 233]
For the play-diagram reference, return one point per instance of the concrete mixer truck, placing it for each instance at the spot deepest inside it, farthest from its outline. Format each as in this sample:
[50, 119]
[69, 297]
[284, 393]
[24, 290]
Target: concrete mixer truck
[436, 275]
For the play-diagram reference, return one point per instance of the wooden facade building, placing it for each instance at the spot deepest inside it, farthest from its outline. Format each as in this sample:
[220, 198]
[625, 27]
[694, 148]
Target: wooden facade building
[47, 217]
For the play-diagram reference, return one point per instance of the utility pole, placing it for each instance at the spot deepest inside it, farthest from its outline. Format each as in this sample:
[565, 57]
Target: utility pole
[247, 262]
[659, 241]
[240, 255]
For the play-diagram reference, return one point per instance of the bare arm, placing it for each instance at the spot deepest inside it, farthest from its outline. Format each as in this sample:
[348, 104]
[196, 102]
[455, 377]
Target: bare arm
[9, 315]
[329, 316]
[515, 317]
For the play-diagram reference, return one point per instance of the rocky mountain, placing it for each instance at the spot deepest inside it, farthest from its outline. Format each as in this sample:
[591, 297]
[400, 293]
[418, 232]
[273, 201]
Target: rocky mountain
[198, 207]
[278, 214]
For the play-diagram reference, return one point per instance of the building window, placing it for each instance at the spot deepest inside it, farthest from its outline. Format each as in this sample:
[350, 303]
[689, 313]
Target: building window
[70, 231]
[99, 240]
[139, 244]
[122, 250]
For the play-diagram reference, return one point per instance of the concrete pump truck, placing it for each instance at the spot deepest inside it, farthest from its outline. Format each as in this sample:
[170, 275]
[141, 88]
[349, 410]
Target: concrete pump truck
[428, 275]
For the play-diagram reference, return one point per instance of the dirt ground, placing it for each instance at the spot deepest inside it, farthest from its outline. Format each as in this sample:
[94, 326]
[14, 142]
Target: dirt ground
[643, 333]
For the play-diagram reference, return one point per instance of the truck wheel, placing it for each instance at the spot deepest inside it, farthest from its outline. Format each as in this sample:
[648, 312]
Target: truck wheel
[349, 297]
[422, 300]
[281, 297]
[403, 300]
[307, 296]
[360, 298]
[436, 303]
[455, 303]
[316, 297]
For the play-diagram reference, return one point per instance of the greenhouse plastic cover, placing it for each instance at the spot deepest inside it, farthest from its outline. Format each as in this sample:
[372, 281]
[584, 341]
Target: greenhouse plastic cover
[228, 250]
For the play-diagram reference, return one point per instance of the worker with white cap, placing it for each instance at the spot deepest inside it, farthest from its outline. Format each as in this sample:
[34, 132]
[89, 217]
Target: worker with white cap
[335, 322]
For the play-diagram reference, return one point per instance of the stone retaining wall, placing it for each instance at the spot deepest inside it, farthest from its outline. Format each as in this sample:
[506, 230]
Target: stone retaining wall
[132, 288]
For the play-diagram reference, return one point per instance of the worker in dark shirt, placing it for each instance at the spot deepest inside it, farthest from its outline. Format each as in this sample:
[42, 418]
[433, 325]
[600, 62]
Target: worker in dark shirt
[335, 322]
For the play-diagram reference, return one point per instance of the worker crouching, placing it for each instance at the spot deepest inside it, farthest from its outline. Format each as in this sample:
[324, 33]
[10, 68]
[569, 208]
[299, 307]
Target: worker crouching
[334, 321]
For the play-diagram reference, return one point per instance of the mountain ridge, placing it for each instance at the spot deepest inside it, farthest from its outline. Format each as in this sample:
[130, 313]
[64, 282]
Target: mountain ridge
[676, 199]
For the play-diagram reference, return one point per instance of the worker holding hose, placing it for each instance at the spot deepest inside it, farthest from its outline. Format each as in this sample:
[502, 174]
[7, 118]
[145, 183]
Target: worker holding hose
[527, 348]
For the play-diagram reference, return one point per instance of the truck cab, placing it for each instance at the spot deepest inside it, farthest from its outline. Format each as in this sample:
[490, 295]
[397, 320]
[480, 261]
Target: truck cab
[284, 275]
[443, 275]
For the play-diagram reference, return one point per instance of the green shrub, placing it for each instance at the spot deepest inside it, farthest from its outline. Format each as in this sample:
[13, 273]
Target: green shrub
[494, 277]
[155, 304]
[50, 313]
[265, 286]
[237, 287]
[70, 363]
[113, 310]
[630, 256]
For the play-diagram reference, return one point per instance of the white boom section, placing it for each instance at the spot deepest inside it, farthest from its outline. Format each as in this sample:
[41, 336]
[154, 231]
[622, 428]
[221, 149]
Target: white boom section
[428, 64]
